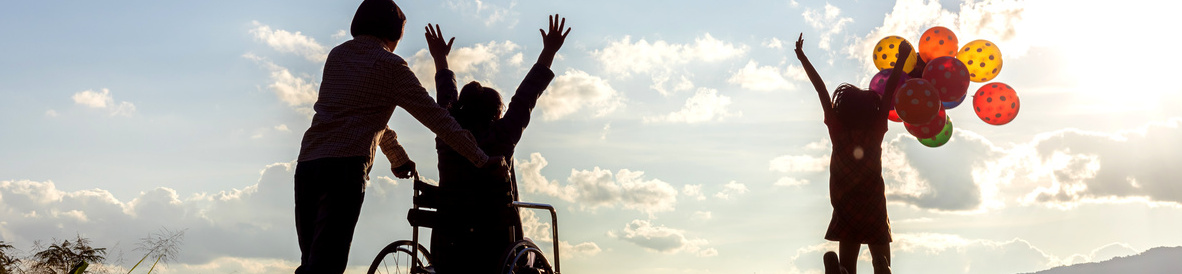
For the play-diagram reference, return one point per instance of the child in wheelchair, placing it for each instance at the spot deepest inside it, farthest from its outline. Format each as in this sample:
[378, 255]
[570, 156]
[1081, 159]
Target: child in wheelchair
[476, 221]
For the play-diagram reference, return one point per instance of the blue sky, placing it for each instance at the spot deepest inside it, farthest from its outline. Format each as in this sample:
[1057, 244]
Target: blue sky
[678, 137]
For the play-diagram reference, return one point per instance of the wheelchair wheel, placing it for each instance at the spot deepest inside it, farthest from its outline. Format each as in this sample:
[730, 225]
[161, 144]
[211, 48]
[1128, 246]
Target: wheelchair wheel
[396, 258]
[523, 257]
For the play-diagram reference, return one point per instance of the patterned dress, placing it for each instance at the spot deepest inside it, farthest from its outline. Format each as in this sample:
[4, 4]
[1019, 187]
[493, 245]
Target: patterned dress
[856, 188]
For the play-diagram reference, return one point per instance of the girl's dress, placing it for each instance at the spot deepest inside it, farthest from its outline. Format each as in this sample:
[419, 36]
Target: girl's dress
[856, 187]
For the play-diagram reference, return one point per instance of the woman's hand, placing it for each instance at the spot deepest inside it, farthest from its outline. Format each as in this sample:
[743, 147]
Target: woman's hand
[799, 45]
[553, 40]
[439, 49]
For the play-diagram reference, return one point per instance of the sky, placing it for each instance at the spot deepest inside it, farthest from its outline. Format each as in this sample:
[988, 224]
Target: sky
[677, 136]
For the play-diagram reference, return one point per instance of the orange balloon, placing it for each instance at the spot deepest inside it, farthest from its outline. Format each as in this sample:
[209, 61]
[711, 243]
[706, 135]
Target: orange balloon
[937, 42]
[982, 58]
[886, 52]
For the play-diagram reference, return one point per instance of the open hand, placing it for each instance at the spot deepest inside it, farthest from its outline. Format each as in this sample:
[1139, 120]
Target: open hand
[553, 40]
[439, 49]
[800, 43]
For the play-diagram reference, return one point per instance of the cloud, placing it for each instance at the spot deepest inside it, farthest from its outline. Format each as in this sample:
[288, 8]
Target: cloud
[662, 60]
[999, 21]
[702, 215]
[540, 233]
[947, 253]
[828, 21]
[693, 191]
[100, 100]
[768, 78]
[478, 62]
[288, 42]
[789, 181]
[490, 13]
[731, 188]
[704, 106]
[773, 43]
[576, 90]
[51, 113]
[296, 91]
[597, 187]
[662, 239]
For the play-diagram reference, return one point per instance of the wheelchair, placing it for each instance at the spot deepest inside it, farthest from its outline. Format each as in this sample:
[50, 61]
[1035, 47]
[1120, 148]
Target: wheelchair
[410, 256]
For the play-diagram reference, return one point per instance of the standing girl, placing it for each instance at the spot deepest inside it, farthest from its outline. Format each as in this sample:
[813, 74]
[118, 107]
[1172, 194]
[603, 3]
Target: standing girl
[857, 121]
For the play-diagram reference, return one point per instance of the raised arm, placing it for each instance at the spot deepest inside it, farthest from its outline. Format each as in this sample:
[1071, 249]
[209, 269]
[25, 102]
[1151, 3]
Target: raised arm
[446, 92]
[822, 92]
[892, 84]
[525, 98]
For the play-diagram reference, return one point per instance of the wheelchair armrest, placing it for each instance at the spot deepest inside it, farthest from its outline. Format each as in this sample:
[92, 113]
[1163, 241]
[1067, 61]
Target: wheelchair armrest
[422, 218]
[554, 231]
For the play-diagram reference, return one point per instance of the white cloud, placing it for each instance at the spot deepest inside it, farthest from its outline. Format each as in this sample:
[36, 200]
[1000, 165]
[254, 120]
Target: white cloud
[576, 90]
[478, 62]
[294, 90]
[767, 78]
[789, 181]
[101, 100]
[288, 42]
[607, 128]
[829, 22]
[662, 239]
[662, 60]
[597, 187]
[704, 106]
[282, 127]
[799, 163]
[702, 215]
[731, 188]
[51, 113]
[340, 35]
[490, 13]
[773, 43]
[693, 191]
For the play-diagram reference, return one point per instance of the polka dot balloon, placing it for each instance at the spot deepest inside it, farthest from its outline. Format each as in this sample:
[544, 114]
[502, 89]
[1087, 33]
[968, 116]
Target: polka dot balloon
[886, 52]
[941, 138]
[928, 130]
[917, 102]
[996, 103]
[982, 58]
[954, 103]
[894, 116]
[937, 42]
[878, 83]
[950, 77]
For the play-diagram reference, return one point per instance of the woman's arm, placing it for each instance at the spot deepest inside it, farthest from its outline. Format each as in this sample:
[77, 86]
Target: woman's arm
[892, 84]
[553, 41]
[822, 92]
[446, 92]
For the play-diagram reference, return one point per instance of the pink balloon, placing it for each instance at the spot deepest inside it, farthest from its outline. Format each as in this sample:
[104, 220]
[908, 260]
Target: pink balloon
[950, 77]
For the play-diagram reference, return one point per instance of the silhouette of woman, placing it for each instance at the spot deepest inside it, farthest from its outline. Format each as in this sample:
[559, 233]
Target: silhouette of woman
[477, 224]
[857, 122]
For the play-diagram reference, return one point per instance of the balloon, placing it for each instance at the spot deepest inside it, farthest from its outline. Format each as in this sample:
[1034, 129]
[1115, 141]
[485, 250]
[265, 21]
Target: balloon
[917, 101]
[983, 59]
[930, 129]
[941, 138]
[878, 83]
[950, 77]
[894, 117]
[886, 52]
[937, 42]
[953, 104]
[996, 103]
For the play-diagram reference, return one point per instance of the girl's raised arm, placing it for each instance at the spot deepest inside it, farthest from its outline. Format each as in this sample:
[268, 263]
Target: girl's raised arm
[822, 92]
[893, 82]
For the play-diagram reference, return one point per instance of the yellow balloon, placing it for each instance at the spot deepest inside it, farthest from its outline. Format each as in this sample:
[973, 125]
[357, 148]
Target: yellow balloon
[886, 52]
[982, 58]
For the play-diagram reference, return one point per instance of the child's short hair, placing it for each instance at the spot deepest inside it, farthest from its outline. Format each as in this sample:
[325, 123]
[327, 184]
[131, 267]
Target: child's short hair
[855, 108]
[381, 18]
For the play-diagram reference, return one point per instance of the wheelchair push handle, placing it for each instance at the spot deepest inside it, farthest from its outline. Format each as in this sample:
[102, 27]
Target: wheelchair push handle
[554, 232]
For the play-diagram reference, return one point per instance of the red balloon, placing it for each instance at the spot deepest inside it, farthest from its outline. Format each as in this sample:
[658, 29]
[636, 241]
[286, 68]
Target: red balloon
[996, 103]
[949, 76]
[930, 129]
[894, 116]
[917, 102]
